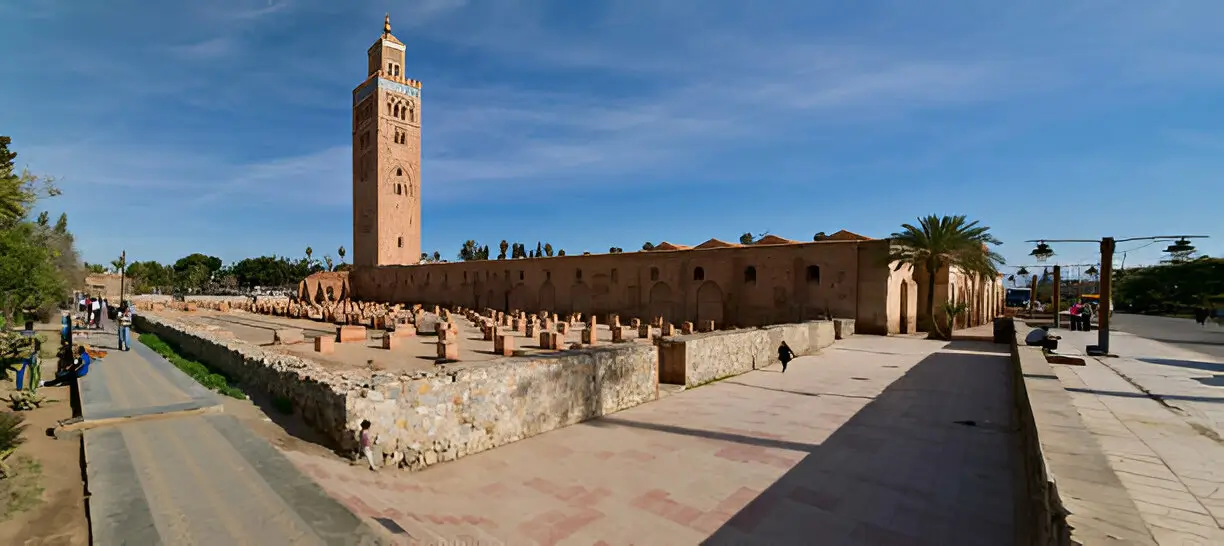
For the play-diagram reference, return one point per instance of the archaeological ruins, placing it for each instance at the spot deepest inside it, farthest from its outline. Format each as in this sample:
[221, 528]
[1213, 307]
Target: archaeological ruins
[449, 359]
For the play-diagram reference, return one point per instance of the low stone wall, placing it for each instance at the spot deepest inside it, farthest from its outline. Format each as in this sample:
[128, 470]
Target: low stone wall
[429, 417]
[318, 396]
[700, 358]
[440, 418]
[1070, 493]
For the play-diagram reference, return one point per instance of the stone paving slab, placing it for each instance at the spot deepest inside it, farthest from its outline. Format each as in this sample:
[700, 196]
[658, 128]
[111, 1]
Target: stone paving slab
[856, 445]
[1154, 423]
[194, 479]
[137, 382]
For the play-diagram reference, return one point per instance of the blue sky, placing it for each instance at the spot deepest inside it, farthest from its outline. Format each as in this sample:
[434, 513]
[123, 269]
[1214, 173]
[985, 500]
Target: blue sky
[223, 126]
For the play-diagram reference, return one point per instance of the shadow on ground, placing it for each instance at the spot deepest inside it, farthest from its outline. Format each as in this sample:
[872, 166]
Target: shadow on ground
[900, 471]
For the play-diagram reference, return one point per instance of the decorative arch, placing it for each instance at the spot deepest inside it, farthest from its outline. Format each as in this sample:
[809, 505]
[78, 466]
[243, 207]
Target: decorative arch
[710, 303]
[661, 302]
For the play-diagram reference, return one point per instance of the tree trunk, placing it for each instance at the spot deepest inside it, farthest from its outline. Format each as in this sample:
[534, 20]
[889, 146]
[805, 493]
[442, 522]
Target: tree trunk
[935, 332]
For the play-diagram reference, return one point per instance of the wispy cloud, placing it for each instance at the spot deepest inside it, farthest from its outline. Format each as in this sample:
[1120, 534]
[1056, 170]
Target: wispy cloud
[210, 49]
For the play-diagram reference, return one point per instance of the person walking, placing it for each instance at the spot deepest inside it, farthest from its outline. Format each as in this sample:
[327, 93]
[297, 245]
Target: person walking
[785, 354]
[125, 328]
[1075, 310]
[367, 444]
[96, 307]
[1200, 316]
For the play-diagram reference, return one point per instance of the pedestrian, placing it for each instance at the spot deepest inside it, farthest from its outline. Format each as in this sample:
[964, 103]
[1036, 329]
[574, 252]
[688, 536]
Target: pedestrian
[125, 327]
[96, 307]
[1075, 310]
[367, 444]
[785, 354]
[104, 314]
[1200, 316]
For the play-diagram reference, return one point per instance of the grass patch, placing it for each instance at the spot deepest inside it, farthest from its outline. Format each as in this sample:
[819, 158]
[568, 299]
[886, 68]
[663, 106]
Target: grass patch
[22, 490]
[197, 370]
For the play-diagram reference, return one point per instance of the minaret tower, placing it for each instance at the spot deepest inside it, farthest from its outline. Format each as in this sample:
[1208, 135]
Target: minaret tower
[386, 159]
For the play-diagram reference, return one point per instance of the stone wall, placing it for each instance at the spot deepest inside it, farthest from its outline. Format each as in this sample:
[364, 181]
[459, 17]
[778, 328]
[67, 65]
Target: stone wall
[429, 417]
[318, 395]
[701, 358]
[439, 418]
[1069, 494]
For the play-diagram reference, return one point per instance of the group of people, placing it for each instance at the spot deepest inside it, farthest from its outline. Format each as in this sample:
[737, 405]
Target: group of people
[1081, 316]
[96, 310]
[75, 359]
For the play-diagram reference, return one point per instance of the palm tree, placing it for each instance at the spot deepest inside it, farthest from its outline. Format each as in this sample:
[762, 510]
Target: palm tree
[940, 242]
[309, 252]
[341, 252]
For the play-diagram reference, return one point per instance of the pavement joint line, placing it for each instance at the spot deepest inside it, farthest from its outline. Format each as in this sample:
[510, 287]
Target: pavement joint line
[129, 419]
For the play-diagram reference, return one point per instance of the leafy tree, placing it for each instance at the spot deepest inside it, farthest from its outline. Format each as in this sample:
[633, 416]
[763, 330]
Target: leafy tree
[548, 249]
[820, 236]
[1171, 288]
[341, 252]
[117, 265]
[503, 246]
[469, 251]
[437, 256]
[28, 276]
[561, 252]
[328, 260]
[518, 250]
[615, 250]
[648, 246]
[309, 253]
[424, 257]
[44, 219]
[746, 238]
[539, 249]
[937, 243]
[94, 268]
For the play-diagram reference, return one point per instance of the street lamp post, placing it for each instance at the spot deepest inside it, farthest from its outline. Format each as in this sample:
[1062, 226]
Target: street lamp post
[1043, 252]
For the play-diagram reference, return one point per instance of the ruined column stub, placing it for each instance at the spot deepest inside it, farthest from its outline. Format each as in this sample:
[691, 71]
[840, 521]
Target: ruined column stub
[643, 331]
[686, 328]
[635, 322]
[351, 334]
[589, 336]
[529, 329]
[325, 345]
[706, 326]
[504, 345]
[667, 330]
[390, 342]
[448, 349]
[548, 340]
[563, 328]
[618, 334]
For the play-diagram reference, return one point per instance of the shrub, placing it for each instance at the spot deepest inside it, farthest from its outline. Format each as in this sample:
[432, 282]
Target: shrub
[12, 425]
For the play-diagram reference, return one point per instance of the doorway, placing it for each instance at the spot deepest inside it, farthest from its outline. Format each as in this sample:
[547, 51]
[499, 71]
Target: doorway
[905, 323]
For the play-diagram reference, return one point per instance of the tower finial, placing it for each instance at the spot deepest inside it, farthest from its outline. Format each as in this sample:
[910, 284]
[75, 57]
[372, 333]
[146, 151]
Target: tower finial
[387, 24]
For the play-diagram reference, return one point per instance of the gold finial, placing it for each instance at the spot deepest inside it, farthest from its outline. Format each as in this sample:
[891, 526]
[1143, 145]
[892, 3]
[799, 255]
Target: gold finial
[387, 24]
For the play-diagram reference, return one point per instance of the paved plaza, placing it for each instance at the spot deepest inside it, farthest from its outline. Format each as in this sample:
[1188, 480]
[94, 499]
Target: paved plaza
[874, 441]
[1158, 412]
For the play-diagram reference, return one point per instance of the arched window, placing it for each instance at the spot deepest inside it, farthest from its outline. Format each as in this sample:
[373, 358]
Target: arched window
[578, 274]
[412, 114]
[698, 274]
[400, 242]
[654, 273]
[813, 273]
[390, 68]
[750, 274]
[399, 171]
[395, 110]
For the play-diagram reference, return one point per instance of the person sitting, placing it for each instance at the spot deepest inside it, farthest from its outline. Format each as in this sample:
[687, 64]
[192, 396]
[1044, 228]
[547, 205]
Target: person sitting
[1041, 337]
[77, 369]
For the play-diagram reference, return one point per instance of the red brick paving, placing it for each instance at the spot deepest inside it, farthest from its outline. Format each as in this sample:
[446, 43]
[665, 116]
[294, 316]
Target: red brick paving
[622, 481]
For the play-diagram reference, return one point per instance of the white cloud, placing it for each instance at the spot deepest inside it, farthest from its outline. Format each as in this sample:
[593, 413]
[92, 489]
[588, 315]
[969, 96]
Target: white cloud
[206, 50]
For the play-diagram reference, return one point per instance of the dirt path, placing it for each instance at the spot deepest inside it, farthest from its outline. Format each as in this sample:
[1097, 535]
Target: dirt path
[59, 518]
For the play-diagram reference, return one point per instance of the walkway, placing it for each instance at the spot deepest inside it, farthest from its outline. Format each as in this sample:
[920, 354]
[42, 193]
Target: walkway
[190, 478]
[857, 445]
[1159, 419]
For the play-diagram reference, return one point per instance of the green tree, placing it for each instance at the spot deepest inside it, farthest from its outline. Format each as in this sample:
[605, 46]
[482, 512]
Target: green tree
[615, 250]
[548, 249]
[437, 256]
[820, 236]
[309, 253]
[561, 252]
[341, 252]
[938, 243]
[469, 251]
[94, 268]
[328, 260]
[28, 277]
[484, 253]
[648, 246]
[503, 246]
[539, 251]
[746, 238]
